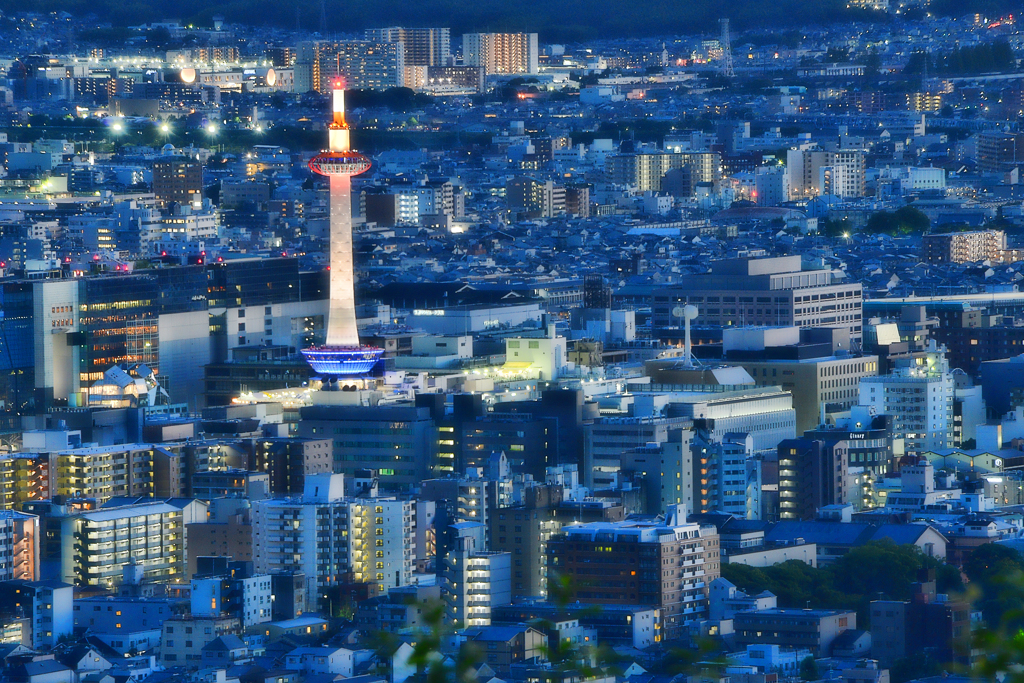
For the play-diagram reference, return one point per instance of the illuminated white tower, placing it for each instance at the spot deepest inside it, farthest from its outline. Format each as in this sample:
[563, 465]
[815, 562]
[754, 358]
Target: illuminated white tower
[342, 354]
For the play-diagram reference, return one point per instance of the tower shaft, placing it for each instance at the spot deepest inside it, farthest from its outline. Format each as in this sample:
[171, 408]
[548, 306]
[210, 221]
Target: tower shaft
[341, 323]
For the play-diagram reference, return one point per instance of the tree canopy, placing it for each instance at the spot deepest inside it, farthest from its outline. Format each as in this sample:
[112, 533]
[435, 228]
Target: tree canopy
[879, 569]
[902, 221]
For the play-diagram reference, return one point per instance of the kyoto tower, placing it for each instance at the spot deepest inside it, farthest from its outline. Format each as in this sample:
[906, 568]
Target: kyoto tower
[341, 355]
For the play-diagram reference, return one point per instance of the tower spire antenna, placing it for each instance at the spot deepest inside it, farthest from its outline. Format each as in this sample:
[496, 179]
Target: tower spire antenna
[323, 17]
[727, 68]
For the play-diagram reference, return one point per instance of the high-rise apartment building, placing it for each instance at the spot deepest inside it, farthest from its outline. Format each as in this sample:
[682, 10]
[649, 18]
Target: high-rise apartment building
[96, 544]
[812, 474]
[964, 247]
[24, 476]
[282, 57]
[999, 152]
[763, 292]
[103, 472]
[646, 170]
[363, 64]
[814, 172]
[577, 201]
[524, 531]
[178, 179]
[468, 498]
[501, 53]
[532, 198]
[333, 540]
[474, 580]
[19, 546]
[667, 563]
[423, 46]
[726, 477]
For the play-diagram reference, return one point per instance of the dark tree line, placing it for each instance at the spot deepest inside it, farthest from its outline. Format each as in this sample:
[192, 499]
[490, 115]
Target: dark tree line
[879, 568]
[972, 59]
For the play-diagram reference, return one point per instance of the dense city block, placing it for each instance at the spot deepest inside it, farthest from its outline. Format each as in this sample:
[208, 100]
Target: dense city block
[684, 350]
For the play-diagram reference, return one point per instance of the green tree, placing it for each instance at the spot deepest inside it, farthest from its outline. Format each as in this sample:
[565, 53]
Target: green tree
[882, 222]
[809, 669]
[158, 37]
[914, 666]
[851, 582]
[872, 63]
[1001, 639]
[904, 221]
[834, 228]
[837, 54]
[996, 574]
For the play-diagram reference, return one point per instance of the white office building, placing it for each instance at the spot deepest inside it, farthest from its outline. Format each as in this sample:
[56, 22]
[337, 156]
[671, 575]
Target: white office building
[919, 394]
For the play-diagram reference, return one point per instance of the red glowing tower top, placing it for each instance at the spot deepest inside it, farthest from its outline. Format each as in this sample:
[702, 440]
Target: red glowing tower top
[338, 158]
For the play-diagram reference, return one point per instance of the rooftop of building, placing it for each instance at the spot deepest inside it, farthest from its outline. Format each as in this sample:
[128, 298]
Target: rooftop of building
[790, 613]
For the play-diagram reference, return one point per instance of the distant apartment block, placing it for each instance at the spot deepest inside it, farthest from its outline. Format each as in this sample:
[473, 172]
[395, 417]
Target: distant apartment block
[999, 152]
[646, 171]
[363, 64]
[532, 198]
[964, 247]
[423, 46]
[814, 172]
[501, 53]
[805, 628]
[95, 545]
[178, 179]
[332, 540]
[667, 564]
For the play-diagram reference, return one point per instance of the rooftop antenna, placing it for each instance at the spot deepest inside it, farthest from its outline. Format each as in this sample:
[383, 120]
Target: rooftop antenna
[323, 18]
[688, 313]
[727, 69]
